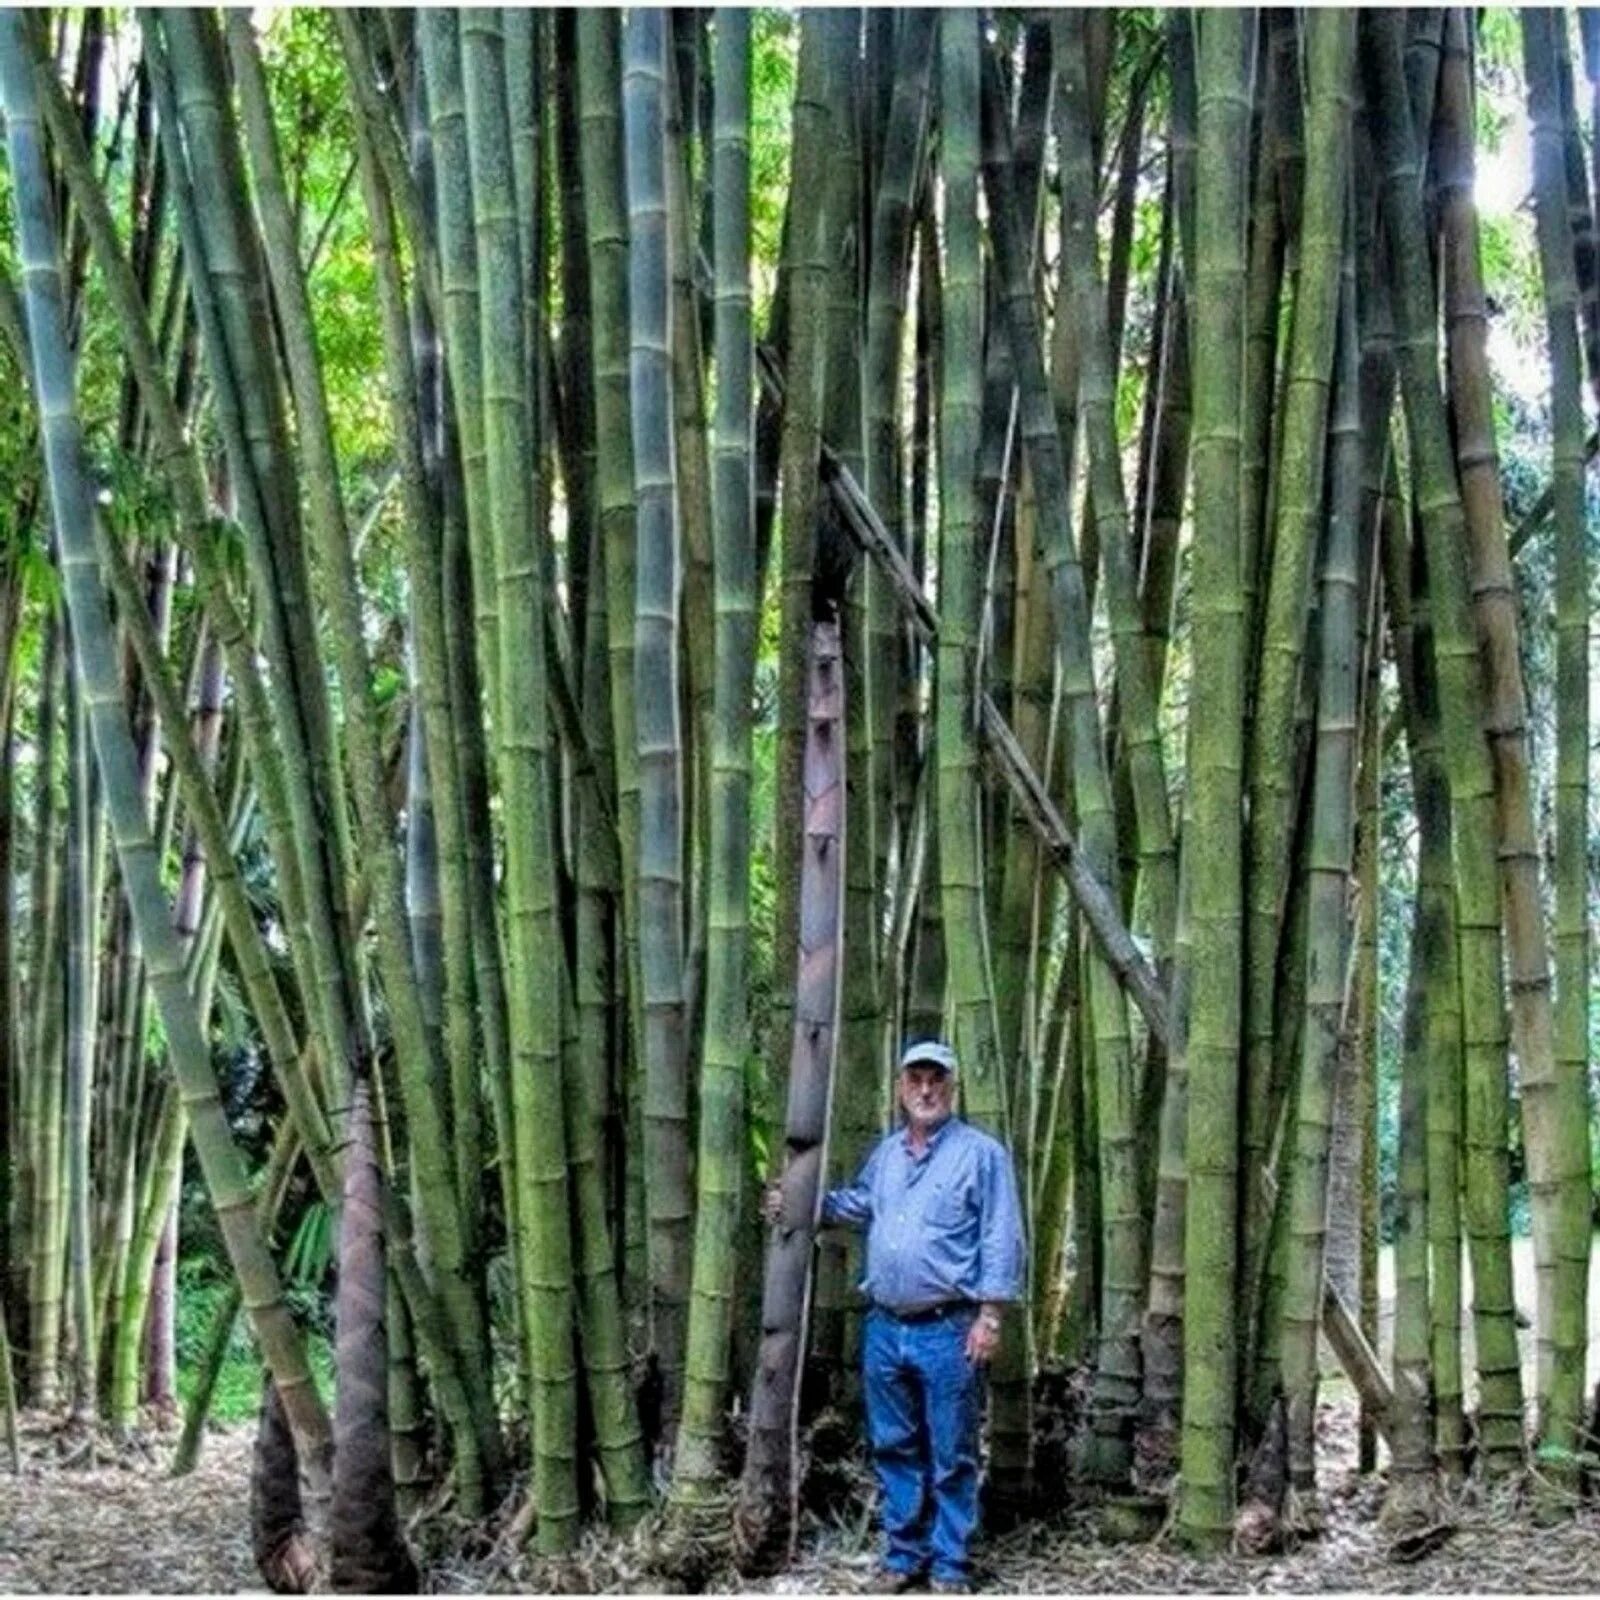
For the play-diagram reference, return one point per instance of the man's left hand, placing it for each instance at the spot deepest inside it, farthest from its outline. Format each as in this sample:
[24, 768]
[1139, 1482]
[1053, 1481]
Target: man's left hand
[983, 1337]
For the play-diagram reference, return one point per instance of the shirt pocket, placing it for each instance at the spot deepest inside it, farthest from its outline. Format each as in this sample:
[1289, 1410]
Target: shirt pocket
[950, 1207]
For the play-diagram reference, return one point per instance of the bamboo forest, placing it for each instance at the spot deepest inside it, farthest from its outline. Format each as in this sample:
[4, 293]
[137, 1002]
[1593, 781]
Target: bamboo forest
[572, 580]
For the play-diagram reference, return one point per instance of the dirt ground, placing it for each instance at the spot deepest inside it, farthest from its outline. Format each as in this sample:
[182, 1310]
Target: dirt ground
[124, 1526]
[127, 1528]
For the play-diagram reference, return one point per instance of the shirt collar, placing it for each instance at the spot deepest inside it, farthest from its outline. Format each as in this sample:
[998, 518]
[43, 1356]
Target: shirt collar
[933, 1138]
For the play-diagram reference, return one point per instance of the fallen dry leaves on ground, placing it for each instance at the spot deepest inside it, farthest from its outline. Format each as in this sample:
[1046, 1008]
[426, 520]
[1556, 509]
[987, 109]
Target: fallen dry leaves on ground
[124, 1526]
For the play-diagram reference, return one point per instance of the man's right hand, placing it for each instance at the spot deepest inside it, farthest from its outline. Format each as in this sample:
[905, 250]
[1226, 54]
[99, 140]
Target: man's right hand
[772, 1203]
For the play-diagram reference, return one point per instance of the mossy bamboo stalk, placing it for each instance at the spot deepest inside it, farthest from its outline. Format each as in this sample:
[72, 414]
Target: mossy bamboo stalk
[1412, 1471]
[1405, 591]
[73, 513]
[1210, 1337]
[1475, 836]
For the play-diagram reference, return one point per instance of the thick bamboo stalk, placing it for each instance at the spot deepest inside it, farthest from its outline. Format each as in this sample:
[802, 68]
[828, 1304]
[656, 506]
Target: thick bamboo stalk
[1434, 937]
[41, 1122]
[769, 1488]
[1216, 768]
[970, 998]
[435, 723]
[656, 700]
[1332, 815]
[606, 240]
[1556, 1111]
[1291, 556]
[812, 230]
[544, 1246]
[722, 1109]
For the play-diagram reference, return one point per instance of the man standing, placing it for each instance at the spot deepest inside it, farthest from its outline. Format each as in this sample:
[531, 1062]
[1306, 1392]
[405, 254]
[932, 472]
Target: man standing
[938, 1199]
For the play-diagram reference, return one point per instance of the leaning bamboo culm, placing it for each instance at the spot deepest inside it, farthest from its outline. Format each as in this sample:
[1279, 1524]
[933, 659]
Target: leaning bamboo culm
[72, 507]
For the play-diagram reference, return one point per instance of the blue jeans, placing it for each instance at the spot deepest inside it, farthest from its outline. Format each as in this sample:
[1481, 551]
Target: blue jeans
[924, 1409]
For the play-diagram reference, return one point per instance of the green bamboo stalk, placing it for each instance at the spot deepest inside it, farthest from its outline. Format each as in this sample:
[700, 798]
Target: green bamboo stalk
[83, 956]
[698, 1467]
[8, 1397]
[1332, 806]
[467, 592]
[1412, 1473]
[177, 457]
[450, 1228]
[1271, 276]
[812, 231]
[888, 282]
[13, 1088]
[1137, 691]
[1210, 1337]
[544, 1247]
[1123, 1283]
[656, 700]
[1290, 557]
[857, 1100]
[693, 472]
[606, 236]
[45, 1076]
[73, 515]
[1556, 1112]
[1468, 761]
[431, 674]
[229, 286]
[970, 996]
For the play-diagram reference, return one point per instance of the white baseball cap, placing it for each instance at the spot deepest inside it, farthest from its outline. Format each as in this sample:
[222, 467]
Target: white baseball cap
[929, 1053]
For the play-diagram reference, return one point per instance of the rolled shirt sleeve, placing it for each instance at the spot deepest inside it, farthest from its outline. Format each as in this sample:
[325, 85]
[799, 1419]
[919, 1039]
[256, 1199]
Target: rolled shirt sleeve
[1000, 1254]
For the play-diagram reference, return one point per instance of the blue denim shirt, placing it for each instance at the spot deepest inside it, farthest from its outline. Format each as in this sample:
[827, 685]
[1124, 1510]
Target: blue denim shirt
[943, 1225]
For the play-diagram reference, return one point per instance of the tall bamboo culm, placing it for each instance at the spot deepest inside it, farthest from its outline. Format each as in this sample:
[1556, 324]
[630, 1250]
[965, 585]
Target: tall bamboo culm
[1216, 762]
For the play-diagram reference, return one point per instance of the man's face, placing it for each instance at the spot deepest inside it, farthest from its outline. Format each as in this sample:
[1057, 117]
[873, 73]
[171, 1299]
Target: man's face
[926, 1094]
